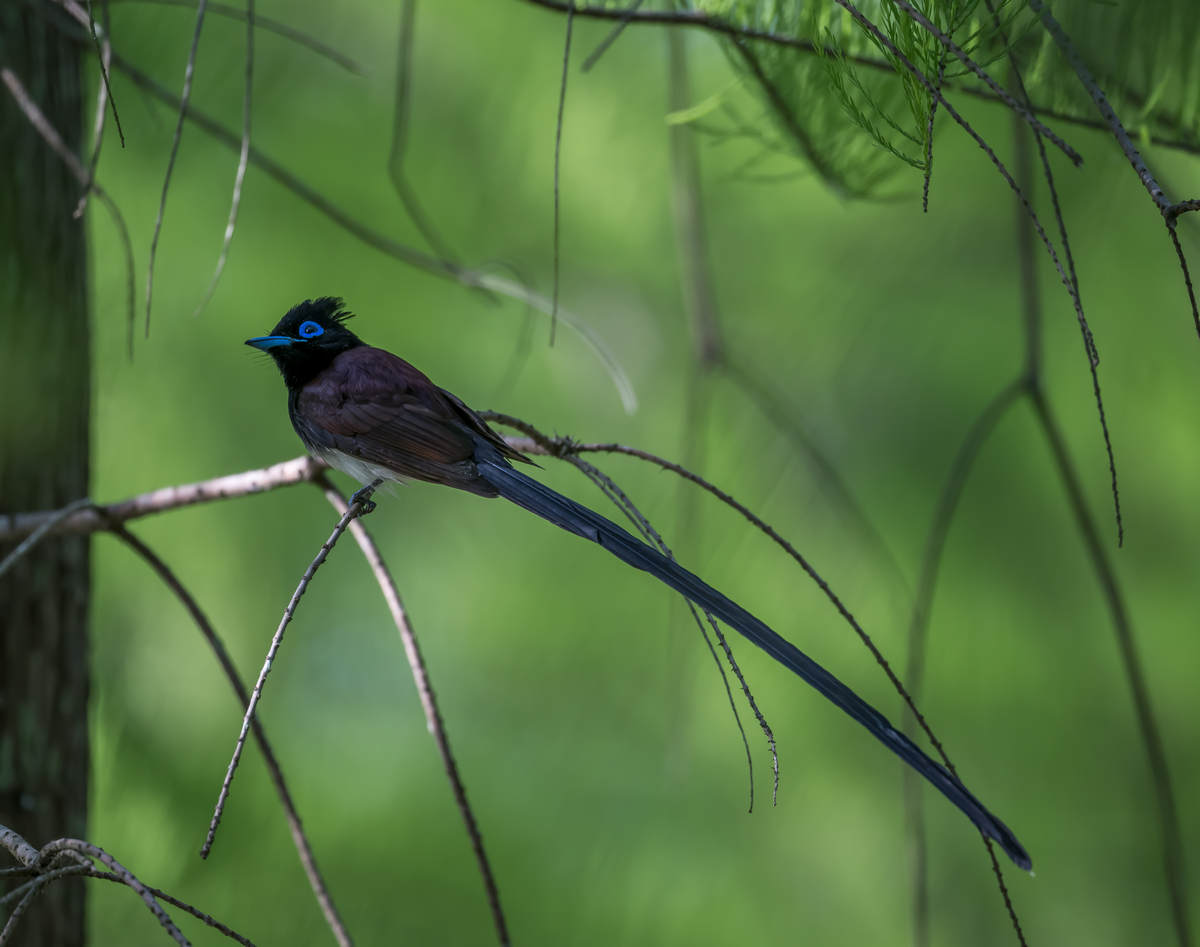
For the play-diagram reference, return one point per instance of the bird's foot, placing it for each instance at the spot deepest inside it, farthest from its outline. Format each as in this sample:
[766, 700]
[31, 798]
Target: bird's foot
[362, 497]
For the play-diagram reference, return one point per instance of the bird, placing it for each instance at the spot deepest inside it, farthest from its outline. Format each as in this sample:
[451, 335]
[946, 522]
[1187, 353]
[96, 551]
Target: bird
[372, 415]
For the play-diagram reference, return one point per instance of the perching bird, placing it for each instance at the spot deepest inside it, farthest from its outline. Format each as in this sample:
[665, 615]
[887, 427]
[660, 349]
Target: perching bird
[372, 415]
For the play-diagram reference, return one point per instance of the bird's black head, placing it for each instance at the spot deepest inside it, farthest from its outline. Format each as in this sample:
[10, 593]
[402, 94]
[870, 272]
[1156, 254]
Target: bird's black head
[307, 339]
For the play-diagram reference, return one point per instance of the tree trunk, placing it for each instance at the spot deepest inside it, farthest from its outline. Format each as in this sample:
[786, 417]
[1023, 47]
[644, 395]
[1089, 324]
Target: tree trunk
[44, 438]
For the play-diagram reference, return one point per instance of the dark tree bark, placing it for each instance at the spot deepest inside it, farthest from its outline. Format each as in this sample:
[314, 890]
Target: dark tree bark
[44, 419]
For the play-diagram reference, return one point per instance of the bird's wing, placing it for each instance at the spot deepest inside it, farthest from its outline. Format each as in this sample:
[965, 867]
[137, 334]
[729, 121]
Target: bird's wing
[376, 407]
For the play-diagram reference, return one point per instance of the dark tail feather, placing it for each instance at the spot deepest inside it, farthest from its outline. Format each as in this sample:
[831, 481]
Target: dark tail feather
[571, 516]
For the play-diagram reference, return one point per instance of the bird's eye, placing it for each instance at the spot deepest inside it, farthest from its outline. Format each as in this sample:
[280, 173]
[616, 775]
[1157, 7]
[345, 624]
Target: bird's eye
[310, 330]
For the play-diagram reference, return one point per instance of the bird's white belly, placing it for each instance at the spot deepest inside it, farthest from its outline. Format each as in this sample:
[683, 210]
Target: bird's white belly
[361, 470]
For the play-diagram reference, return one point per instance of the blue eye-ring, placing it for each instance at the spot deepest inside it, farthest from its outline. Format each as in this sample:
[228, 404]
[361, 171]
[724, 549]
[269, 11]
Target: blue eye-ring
[310, 330]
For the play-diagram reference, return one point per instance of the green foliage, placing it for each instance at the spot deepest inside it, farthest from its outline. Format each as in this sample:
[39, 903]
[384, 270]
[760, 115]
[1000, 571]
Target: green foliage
[1145, 57]
[592, 731]
[856, 113]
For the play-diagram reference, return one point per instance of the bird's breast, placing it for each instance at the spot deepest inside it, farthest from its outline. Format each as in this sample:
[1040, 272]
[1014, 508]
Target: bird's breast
[361, 470]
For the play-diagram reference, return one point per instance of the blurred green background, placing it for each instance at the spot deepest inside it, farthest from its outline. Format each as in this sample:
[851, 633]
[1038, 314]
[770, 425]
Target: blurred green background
[589, 722]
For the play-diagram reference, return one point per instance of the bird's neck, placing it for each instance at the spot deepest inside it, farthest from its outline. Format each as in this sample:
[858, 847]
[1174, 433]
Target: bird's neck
[303, 365]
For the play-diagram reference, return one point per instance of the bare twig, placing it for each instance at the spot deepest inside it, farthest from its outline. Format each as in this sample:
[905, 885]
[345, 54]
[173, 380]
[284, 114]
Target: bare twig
[1067, 280]
[699, 299]
[711, 23]
[444, 268]
[619, 497]
[104, 98]
[433, 717]
[52, 138]
[757, 388]
[558, 127]
[1168, 208]
[176, 139]
[195, 912]
[290, 472]
[1031, 306]
[16, 846]
[540, 443]
[243, 160]
[927, 173]
[278, 27]
[50, 849]
[299, 839]
[1174, 866]
[691, 238]
[997, 90]
[354, 510]
[400, 122]
[682, 18]
[14, 918]
[603, 46]
[54, 519]
[918, 629]
[83, 868]
[799, 134]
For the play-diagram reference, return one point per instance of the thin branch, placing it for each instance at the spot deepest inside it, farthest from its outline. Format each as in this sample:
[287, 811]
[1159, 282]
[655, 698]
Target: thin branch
[558, 126]
[699, 300]
[50, 135]
[400, 125]
[299, 839]
[1032, 307]
[14, 526]
[243, 161]
[280, 174]
[85, 869]
[104, 51]
[45, 857]
[278, 27]
[444, 268]
[104, 97]
[14, 918]
[176, 139]
[433, 717]
[16, 845]
[1066, 279]
[1160, 776]
[699, 19]
[561, 447]
[195, 912]
[1172, 232]
[927, 174]
[755, 386]
[539, 443]
[681, 18]
[54, 519]
[996, 89]
[622, 501]
[1167, 208]
[39, 879]
[918, 629]
[361, 501]
[783, 112]
[603, 46]
[691, 238]
[1174, 866]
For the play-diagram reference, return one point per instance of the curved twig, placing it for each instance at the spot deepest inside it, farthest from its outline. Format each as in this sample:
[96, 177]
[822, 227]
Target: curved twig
[621, 500]
[433, 717]
[356, 509]
[299, 839]
[176, 139]
[243, 161]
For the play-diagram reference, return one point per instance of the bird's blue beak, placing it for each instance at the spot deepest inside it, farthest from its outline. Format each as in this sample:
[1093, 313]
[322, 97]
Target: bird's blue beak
[268, 342]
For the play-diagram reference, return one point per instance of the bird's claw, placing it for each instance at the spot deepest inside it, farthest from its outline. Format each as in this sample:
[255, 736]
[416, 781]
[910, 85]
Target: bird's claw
[362, 498]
